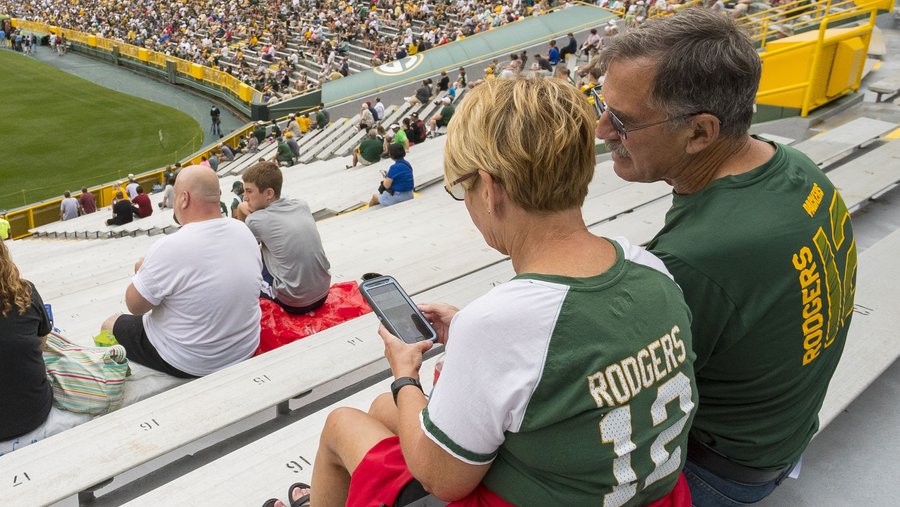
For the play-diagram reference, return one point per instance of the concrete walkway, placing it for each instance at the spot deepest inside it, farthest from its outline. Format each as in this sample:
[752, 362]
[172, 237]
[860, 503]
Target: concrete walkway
[138, 85]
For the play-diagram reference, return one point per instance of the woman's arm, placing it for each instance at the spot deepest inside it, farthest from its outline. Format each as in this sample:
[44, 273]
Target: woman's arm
[387, 182]
[441, 474]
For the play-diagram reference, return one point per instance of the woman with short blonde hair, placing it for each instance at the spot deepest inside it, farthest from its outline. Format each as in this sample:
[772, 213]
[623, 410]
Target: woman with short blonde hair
[558, 386]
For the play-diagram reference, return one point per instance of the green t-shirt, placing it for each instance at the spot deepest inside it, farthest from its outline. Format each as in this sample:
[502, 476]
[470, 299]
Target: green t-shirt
[371, 148]
[767, 262]
[400, 138]
[447, 113]
[577, 391]
[284, 153]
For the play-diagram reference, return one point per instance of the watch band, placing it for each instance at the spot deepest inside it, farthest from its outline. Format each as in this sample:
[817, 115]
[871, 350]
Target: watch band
[402, 382]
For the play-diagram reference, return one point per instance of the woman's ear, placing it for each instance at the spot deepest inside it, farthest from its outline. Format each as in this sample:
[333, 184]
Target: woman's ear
[493, 192]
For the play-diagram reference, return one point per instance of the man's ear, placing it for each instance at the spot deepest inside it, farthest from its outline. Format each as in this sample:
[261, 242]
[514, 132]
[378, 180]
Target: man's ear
[269, 194]
[704, 132]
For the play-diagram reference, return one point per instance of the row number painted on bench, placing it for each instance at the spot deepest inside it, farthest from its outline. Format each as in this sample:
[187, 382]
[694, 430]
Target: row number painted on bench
[353, 341]
[149, 425]
[262, 379]
[295, 465]
[18, 480]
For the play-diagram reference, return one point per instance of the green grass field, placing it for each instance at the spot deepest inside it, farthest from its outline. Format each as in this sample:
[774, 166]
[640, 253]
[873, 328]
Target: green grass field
[61, 132]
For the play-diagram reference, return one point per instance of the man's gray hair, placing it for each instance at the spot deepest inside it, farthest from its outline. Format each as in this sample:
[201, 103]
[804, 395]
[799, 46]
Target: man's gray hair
[704, 63]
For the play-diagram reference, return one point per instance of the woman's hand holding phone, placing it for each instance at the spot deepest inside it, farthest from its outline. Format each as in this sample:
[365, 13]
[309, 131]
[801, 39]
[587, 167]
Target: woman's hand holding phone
[405, 358]
[439, 316]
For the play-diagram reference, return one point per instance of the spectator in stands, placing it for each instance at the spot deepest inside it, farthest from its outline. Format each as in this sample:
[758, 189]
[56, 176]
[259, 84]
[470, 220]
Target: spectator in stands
[553, 53]
[28, 413]
[366, 119]
[398, 136]
[284, 155]
[518, 417]
[142, 203]
[227, 153]
[398, 184]
[443, 82]
[379, 109]
[87, 202]
[323, 118]
[168, 200]
[259, 132]
[570, 49]
[193, 298]
[679, 103]
[68, 207]
[419, 131]
[442, 119]
[305, 122]
[369, 150]
[294, 261]
[4, 225]
[292, 144]
[422, 94]
[591, 43]
[131, 187]
[237, 188]
[122, 211]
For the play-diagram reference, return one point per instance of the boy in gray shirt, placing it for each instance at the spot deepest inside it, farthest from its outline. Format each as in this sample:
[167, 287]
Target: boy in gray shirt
[294, 262]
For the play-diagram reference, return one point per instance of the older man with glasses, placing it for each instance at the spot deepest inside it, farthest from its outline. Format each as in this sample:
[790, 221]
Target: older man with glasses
[758, 238]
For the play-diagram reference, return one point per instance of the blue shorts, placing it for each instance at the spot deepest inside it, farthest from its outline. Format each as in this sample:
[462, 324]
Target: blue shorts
[386, 199]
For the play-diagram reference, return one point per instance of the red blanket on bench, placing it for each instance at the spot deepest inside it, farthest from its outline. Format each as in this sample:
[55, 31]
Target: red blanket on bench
[280, 328]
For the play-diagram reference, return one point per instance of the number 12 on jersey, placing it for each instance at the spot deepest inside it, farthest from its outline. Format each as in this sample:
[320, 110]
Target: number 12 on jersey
[616, 429]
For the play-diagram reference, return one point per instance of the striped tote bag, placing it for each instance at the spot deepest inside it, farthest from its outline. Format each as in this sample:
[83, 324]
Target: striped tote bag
[88, 380]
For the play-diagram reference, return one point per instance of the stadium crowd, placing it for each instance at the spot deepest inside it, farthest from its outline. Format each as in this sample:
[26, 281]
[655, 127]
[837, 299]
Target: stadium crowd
[250, 40]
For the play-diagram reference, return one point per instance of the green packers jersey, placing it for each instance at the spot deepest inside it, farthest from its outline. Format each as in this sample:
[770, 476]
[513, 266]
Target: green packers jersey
[767, 262]
[578, 391]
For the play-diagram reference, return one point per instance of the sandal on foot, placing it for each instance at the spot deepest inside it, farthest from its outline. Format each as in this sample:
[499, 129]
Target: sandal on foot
[303, 501]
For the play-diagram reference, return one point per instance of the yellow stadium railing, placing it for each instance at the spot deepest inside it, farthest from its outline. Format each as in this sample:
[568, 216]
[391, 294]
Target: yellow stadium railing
[795, 17]
[215, 77]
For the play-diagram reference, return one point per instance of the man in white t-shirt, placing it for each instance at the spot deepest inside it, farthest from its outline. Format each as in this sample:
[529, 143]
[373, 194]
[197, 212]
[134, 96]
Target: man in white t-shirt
[194, 297]
[131, 187]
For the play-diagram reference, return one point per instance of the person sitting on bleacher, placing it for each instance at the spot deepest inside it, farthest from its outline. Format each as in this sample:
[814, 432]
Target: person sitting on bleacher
[168, 200]
[141, 201]
[572, 384]
[27, 414]
[194, 297]
[757, 236]
[369, 150]
[442, 119]
[398, 184]
[123, 211]
[285, 155]
[294, 261]
[419, 131]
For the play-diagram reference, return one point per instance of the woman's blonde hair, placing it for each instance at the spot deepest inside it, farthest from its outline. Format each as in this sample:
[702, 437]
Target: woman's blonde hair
[14, 291]
[534, 135]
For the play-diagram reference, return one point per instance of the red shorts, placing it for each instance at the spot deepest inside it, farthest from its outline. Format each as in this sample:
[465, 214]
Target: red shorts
[382, 474]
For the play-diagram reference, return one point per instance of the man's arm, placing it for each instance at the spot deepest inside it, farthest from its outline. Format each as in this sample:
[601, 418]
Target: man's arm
[136, 303]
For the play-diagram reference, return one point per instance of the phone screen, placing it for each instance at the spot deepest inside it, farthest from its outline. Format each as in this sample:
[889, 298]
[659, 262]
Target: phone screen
[396, 310]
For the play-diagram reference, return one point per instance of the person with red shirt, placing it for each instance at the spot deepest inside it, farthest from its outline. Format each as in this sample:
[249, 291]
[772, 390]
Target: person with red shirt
[143, 204]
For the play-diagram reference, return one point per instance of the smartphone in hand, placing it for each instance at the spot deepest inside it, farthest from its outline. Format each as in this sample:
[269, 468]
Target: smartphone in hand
[396, 310]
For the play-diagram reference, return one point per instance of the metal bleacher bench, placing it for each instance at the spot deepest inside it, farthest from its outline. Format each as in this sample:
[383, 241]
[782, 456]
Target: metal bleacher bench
[831, 146]
[888, 86]
[423, 249]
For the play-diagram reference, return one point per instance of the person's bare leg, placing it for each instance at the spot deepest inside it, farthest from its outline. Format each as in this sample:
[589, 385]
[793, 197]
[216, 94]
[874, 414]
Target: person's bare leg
[110, 322]
[384, 411]
[374, 201]
[348, 435]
